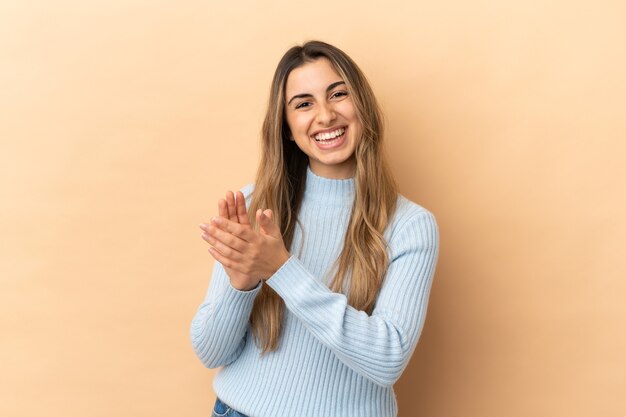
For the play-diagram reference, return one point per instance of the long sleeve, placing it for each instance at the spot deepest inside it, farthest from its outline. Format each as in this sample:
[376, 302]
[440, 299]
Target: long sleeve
[332, 359]
[218, 329]
[376, 346]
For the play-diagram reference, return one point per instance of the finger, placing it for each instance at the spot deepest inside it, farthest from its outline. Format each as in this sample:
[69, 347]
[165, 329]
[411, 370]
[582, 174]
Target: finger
[267, 224]
[263, 221]
[264, 217]
[232, 210]
[227, 239]
[243, 232]
[227, 263]
[224, 249]
[222, 207]
[242, 212]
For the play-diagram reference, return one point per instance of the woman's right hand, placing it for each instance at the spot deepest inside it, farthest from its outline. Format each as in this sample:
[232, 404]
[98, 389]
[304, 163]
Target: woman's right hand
[235, 210]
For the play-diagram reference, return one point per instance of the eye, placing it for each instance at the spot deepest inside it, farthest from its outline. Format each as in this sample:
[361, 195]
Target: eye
[304, 104]
[339, 94]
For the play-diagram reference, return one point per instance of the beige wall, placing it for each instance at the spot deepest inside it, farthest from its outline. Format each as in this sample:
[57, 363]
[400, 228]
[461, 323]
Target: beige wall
[122, 123]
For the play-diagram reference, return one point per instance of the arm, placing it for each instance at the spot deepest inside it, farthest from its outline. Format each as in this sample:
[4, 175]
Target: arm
[219, 327]
[378, 346]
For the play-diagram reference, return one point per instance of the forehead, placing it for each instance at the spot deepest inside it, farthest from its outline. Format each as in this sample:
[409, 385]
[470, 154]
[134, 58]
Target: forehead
[312, 77]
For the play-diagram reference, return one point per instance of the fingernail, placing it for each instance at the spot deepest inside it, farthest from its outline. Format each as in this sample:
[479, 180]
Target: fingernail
[216, 220]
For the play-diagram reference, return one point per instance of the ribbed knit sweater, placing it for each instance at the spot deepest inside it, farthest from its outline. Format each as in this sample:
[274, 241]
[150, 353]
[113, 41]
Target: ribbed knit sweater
[332, 360]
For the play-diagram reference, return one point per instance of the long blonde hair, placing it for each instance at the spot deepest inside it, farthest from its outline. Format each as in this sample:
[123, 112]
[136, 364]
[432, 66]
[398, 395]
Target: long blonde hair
[280, 182]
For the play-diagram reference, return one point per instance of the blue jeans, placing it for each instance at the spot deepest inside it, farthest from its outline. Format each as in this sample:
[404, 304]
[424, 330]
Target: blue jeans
[222, 410]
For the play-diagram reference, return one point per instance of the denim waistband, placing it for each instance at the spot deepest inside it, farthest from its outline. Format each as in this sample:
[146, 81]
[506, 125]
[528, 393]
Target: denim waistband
[220, 409]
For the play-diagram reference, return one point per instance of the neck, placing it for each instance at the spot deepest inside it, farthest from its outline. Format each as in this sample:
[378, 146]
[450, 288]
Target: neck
[337, 172]
[334, 191]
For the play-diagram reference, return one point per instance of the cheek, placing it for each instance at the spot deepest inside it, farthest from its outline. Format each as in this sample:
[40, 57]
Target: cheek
[358, 130]
[349, 111]
[298, 124]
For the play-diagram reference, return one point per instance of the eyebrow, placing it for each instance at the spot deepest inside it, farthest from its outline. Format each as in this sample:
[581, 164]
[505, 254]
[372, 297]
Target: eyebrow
[330, 87]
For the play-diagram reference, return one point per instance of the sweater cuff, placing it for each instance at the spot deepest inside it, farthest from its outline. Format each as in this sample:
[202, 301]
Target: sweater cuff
[292, 281]
[243, 300]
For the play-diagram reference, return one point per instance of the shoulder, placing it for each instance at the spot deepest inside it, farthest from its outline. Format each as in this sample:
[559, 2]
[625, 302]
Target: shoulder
[247, 191]
[408, 211]
[412, 220]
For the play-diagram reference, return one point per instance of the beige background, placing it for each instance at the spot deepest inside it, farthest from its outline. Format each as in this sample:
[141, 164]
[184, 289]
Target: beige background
[123, 122]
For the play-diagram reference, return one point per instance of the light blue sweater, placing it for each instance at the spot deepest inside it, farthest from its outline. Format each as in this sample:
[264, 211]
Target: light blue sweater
[333, 360]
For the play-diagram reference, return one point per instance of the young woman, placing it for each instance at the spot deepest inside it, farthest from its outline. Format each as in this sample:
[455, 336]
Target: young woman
[323, 271]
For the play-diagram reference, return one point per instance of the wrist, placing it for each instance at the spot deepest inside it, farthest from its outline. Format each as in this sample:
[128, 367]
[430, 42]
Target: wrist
[247, 285]
[282, 260]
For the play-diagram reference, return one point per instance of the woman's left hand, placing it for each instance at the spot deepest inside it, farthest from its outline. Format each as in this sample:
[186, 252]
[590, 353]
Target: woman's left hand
[245, 250]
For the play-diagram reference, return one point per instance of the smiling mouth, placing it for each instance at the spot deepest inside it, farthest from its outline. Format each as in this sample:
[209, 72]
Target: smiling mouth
[329, 136]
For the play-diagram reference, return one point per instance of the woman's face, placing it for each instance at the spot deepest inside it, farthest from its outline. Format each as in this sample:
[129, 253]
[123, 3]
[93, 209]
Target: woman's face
[322, 118]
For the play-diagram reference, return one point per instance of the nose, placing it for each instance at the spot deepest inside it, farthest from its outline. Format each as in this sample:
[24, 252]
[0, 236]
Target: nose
[325, 114]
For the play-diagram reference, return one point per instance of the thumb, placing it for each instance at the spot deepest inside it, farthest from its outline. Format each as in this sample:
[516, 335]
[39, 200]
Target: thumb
[266, 223]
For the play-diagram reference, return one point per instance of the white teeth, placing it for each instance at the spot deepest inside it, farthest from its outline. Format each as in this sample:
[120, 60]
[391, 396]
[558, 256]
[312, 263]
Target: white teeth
[330, 135]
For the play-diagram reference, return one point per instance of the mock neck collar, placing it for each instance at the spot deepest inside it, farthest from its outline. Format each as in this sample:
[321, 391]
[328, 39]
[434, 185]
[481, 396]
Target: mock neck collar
[328, 190]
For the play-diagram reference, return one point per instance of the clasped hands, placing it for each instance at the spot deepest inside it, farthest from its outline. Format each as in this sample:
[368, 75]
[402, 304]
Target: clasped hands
[247, 256]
